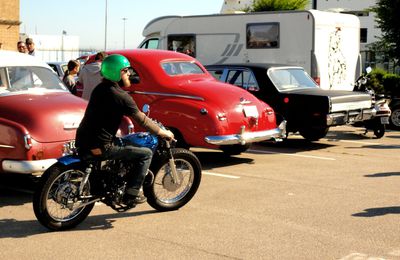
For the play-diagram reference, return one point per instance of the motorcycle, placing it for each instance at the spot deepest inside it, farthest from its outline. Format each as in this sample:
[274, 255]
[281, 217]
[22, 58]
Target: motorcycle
[69, 189]
[381, 106]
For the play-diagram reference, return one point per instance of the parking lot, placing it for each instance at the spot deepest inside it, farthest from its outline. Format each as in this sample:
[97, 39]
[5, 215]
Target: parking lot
[338, 198]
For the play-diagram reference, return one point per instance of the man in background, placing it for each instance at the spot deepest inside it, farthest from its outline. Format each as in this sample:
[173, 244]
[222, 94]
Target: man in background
[31, 46]
[21, 46]
[90, 76]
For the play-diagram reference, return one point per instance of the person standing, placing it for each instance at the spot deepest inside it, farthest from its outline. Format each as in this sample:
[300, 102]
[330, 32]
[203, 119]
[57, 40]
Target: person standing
[90, 75]
[69, 76]
[31, 46]
[21, 46]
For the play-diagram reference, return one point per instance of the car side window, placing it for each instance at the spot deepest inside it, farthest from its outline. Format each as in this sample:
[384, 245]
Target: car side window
[150, 44]
[3, 81]
[54, 68]
[244, 79]
[181, 68]
[26, 78]
[217, 73]
[20, 78]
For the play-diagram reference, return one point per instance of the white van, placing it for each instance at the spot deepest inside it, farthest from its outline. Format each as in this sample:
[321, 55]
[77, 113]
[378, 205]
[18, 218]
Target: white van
[326, 44]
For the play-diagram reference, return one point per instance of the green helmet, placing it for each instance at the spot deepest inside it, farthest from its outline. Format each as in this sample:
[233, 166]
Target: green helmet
[112, 65]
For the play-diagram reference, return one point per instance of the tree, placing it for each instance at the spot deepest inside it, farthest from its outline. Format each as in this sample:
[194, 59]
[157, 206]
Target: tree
[387, 12]
[277, 5]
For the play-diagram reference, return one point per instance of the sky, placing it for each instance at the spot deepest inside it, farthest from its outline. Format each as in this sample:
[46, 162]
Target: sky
[86, 18]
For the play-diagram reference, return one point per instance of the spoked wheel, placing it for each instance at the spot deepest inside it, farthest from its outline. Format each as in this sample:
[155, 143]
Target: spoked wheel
[165, 194]
[395, 118]
[56, 201]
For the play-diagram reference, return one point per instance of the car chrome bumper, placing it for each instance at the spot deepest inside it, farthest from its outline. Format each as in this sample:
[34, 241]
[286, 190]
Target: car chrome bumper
[343, 118]
[27, 167]
[249, 137]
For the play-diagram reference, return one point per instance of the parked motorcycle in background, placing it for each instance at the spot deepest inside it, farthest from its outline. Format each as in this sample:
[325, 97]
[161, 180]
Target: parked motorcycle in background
[381, 104]
[68, 190]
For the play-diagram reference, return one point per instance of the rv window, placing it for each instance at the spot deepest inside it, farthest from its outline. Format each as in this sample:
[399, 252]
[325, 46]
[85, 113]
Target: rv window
[243, 78]
[181, 68]
[182, 43]
[150, 44]
[262, 35]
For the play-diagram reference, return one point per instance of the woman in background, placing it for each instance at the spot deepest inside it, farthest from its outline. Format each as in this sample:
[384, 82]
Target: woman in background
[70, 74]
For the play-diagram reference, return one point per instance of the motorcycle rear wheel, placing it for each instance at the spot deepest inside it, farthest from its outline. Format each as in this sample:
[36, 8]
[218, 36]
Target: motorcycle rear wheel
[55, 201]
[164, 194]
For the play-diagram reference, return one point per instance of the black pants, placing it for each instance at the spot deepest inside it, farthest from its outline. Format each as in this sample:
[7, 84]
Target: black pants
[139, 156]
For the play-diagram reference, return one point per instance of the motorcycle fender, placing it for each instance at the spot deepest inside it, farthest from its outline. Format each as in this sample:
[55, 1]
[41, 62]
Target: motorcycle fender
[68, 159]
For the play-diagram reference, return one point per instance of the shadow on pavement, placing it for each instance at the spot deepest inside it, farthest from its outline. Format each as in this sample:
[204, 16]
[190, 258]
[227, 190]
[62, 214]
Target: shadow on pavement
[293, 145]
[356, 134]
[12, 228]
[380, 146]
[14, 198]
[382, 174]
[215, 159]
[375, 212]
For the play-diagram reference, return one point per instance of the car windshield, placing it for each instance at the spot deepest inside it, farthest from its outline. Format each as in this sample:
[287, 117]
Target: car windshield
[31, 79]
[290, 79]
[175, 68]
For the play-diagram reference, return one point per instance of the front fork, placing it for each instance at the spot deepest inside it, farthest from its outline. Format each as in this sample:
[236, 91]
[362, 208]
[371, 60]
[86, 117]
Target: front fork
[172, 165]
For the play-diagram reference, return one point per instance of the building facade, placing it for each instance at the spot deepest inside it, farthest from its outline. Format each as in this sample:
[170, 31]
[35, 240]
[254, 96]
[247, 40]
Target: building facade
[9, 24]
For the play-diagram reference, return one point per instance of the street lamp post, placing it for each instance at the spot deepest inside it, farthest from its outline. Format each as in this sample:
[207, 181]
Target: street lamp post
[62, 45]
[105, 29]
[124, 19]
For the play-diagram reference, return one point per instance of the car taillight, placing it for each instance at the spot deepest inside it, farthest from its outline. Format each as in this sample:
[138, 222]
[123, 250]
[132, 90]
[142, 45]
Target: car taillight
[28, 141]
[286, 100]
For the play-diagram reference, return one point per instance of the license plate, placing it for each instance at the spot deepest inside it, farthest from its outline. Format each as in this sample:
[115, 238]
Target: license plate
[250, 111]
[385, 120]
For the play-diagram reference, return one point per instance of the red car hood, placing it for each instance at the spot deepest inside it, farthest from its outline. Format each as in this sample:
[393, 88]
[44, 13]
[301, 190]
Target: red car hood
[49, 117]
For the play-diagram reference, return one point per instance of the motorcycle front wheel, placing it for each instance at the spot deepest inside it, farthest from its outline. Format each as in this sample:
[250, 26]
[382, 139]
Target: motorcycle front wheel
[165, 194]
[56, 201]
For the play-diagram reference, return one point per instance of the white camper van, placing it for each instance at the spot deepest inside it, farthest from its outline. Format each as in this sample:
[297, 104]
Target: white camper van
[326, 44]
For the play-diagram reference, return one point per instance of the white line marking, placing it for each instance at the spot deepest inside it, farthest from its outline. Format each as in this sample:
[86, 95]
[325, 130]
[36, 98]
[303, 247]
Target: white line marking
[221, 175]
[296, 155]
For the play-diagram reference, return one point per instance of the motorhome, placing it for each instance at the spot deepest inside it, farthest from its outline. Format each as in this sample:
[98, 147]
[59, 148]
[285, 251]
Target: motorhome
[326, 44]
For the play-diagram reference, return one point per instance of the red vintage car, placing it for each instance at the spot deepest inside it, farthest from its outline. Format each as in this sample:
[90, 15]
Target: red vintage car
[200, 110]
[38, 115]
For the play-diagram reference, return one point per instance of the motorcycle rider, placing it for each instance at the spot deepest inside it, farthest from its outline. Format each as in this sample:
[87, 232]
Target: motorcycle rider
[96, 134]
